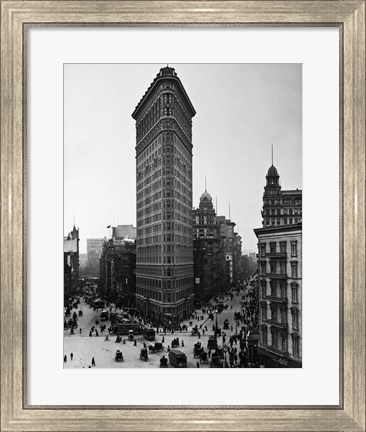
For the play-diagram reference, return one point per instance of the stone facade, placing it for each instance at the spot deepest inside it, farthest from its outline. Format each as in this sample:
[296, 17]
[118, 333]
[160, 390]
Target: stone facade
[117, 280]
[208, 253]
[280, 275]
[164, 268]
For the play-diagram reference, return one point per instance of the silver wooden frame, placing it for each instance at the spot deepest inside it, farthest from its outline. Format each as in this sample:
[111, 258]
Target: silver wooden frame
[349, 17]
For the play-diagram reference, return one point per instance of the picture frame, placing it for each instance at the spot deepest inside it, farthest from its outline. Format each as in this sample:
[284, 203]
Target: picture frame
[17, 17]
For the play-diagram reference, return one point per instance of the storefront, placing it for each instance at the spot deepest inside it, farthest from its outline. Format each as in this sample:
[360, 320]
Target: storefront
[273, 359]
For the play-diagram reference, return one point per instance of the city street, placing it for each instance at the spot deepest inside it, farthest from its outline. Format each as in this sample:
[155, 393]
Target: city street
[85, 347]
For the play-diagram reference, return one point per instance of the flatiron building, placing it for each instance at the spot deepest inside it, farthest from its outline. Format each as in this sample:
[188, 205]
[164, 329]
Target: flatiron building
[164, 262]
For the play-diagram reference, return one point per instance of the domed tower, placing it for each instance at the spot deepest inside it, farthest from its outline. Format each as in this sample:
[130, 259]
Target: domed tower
[204, 225]
[272, 198]
[205, 201]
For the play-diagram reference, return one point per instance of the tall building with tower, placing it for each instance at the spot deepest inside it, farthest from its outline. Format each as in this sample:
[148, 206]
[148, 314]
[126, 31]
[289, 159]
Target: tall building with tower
[280, 275]
[164, 245]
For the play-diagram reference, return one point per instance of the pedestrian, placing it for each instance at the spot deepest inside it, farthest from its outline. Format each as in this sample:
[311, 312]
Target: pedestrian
[135, 342]
[71, 356]
[203, 332]
[198, 364]
[93, 361]
[90, 333]
[199, 335]
[168, 349]
[162, 340]
[182, 343]
[80, 330]
[96, 332]
[65, 358]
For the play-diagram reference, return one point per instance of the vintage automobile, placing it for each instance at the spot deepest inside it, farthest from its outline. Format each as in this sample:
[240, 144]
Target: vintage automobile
[131, 336]
[177, 359]
[119, 356]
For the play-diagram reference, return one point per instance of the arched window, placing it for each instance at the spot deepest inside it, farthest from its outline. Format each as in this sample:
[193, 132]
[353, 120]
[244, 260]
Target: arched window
[273, 285]
[295, 318]
[273, 312]
[295, 292]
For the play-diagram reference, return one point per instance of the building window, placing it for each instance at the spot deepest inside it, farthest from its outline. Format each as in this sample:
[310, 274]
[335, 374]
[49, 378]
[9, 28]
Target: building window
[264, 288]
[294, 270]
[273, 312]
[283, 268]
[273, 288]
[283, 290]
[285, 221]
[264, 335]
[283, 315]
[295, 318]
[263, 249]
[263, 268]
[284, 342]
[274, 332]
[272, 247]
[273, 267]
[264, 311]
[295, 293]
[294, 249]
[295, 346]
[283, 247]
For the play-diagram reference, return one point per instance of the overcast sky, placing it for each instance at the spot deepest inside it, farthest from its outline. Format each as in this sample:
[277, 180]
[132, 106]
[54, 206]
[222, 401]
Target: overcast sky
[242, 109]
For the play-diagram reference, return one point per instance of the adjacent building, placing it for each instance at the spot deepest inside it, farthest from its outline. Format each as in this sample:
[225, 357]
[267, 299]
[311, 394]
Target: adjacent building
[208, 253]
[164, 268]
[280, 275]
[117, 274]
[71, 263]
[94, 248]
[217, 251]
[124, 231]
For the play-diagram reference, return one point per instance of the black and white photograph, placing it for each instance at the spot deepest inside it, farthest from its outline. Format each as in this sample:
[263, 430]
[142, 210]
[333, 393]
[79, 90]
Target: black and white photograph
[182, 215]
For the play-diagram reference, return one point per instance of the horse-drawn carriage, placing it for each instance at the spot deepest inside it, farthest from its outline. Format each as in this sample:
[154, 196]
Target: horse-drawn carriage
[226, 324]
[212, 343]
[163, 362]
[175, 343]
[197, 348]
[216, 360]
[203, 356]
[119, 356]
[72, 324]
[158, 346]
[194, 331]
[143, 354]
